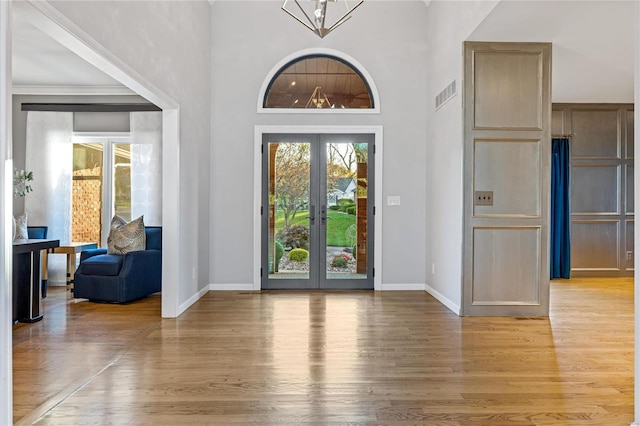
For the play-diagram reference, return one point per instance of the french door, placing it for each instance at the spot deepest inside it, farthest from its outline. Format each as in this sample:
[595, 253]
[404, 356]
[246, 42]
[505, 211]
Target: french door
[317, 211]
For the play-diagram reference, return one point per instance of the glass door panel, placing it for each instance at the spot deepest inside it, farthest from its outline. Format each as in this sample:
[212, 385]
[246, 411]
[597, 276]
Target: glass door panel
[290, 213]
[122, 180]
[346, 213]
[86, 196]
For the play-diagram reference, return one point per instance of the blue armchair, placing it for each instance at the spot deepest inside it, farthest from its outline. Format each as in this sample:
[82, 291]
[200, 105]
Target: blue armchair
[37, 232]
[116, 278]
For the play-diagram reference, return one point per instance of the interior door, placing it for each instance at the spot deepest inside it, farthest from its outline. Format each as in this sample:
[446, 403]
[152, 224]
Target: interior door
[317, 211]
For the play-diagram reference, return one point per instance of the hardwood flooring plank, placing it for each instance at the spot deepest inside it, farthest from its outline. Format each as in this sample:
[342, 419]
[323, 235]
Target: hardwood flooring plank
[329, 358]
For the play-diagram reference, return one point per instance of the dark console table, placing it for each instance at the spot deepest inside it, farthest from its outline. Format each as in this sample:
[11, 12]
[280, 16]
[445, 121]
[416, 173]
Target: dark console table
[26, 278]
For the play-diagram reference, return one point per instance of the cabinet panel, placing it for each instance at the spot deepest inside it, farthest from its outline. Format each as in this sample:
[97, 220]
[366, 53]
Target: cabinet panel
[508, 90]
[594, 190]
[596, 134]
[511, 169]
[629, 134]
[505, 267]
[628, 254]
[594, 245]
[629, 189]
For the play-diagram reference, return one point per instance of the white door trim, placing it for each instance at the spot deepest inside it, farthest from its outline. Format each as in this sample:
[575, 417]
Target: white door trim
[257, 188]
[6, 212]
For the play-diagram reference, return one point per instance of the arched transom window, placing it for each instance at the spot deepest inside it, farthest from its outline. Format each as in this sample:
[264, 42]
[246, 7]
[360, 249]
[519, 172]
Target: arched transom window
[318, 81]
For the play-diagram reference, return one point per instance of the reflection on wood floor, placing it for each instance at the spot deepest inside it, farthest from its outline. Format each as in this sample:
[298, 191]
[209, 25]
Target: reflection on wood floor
[293, 357]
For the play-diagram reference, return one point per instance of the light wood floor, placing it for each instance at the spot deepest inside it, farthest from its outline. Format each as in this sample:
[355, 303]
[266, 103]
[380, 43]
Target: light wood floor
[292, 358]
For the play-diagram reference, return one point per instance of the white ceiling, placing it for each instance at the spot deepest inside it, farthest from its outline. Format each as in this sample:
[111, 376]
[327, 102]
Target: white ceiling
[593, 44]
[38, 61]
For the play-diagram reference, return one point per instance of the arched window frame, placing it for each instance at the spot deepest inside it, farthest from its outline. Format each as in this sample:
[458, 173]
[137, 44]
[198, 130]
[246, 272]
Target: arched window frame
[307, 53]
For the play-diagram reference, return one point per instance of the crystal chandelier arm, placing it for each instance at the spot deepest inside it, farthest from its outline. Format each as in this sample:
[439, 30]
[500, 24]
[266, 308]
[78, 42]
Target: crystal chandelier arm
[344, 17]
[312, 99]
[296, 18]
[324, 12]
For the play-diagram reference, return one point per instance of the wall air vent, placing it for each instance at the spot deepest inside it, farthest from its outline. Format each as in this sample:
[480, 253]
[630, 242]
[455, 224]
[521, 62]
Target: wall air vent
[448, 93]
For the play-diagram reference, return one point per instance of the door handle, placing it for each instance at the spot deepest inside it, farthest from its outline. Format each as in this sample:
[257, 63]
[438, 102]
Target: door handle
[323, 215]
[312, 214]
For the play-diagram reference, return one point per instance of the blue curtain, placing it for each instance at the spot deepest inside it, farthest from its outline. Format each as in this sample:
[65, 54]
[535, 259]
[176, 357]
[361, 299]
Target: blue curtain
[560, 214]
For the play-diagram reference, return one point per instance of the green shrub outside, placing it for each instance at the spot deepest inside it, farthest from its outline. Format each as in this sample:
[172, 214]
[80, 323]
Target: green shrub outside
[296, 236]
[298, 255]
[339, 261]
[351, 210]
[279, 253]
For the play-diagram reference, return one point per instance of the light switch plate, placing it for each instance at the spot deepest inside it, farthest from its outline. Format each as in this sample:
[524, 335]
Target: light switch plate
[483, 198]
[393, 200]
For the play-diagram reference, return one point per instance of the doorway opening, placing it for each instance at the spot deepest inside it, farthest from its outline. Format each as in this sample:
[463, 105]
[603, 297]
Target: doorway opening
[317, 214]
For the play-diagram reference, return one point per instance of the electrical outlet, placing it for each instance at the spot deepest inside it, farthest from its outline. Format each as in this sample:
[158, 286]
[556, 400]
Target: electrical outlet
[629, 255]
[483, 198]
[433, 268]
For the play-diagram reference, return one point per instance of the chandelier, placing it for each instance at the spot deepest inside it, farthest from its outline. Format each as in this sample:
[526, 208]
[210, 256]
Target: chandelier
[313, 14]
[318, 99]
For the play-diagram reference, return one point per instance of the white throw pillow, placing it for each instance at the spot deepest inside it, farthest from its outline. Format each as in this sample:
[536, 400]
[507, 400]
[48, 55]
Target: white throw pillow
[125, 237]
[21, 227]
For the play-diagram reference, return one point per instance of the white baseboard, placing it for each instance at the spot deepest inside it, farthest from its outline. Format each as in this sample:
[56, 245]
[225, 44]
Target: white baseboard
[444, 300]
[193, 299]
[402, 287]
[249, 287]
[231, 287]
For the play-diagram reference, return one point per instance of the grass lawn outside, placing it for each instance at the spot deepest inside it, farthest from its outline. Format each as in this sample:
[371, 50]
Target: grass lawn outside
[337, 224]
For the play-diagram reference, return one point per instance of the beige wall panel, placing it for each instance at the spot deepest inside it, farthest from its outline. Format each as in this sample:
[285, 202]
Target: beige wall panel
[629, 191]
[508, 90]
[629, 244]
[557, 122]
[506, 266]
[629, 134]
[511, 169]
[594, 190]
[602, 186]
[595, 134]
[594, 245]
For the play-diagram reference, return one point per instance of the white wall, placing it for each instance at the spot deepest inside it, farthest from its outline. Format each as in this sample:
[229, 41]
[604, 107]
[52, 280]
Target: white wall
[249, 39]
[449, 24]
[6, 169]
[592, 44]
[167, 43]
